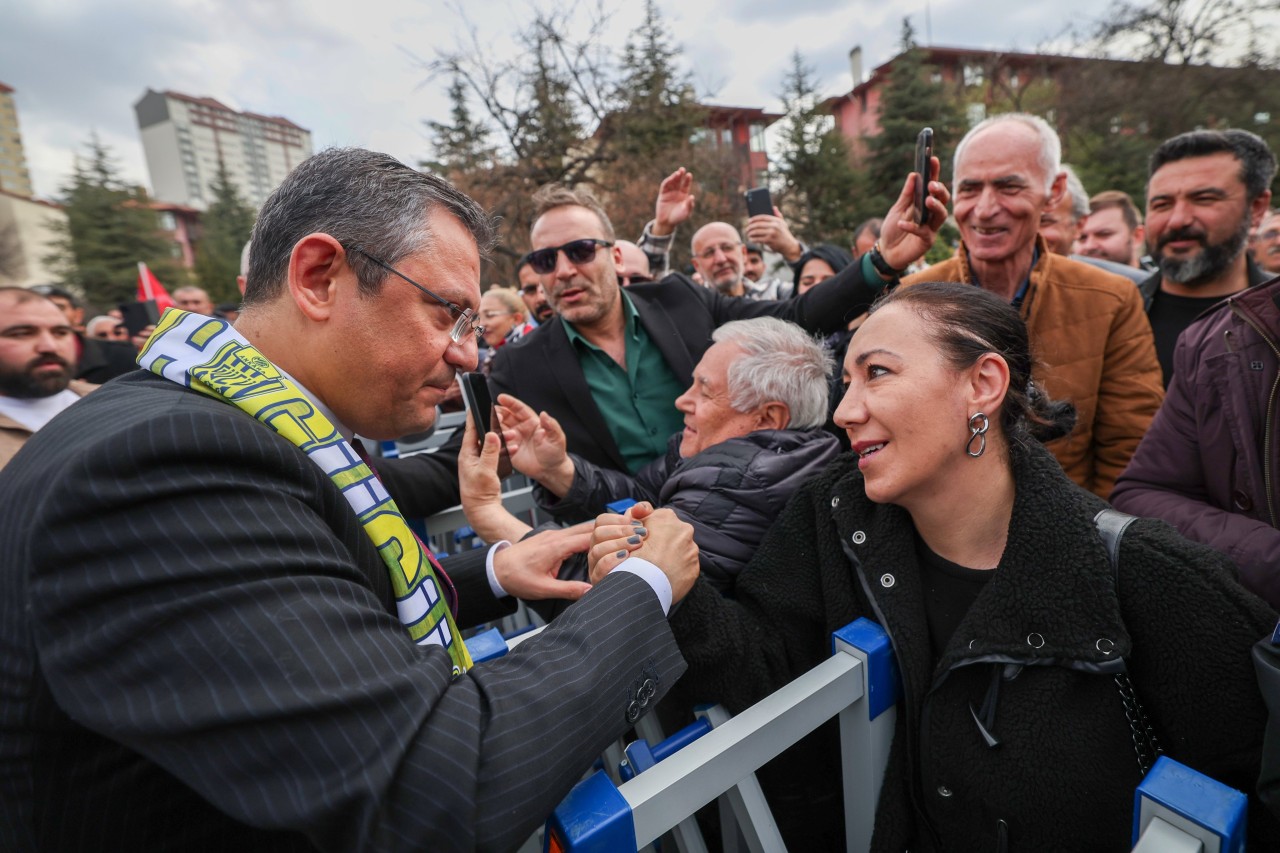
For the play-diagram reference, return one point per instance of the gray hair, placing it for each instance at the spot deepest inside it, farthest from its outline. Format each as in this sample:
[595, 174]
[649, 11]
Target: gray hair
[244, 258]
[360, 198]
[779, 362]
[1050, 159]
[1075, 189]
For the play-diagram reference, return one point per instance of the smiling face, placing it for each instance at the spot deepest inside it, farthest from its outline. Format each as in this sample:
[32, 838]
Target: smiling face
[497, 318]
[391, 358]
[1198, 219]
[585, 294]
[1000, 196]
[1267, 247]
[905, 409]
[718, 254]
[708, 417]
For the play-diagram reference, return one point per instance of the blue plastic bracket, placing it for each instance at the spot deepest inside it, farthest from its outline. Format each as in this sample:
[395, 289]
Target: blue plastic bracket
[487, 645]
[1218, 810]
[883, 681]
[594, 818]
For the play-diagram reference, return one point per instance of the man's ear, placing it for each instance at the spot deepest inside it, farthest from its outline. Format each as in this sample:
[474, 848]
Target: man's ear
[773, 415]
[1258, 209]
[314, 266]
[1056, 191]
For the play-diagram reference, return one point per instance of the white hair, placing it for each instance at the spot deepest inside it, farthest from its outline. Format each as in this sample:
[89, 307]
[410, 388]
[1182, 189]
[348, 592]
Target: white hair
[780, 362]
[1075, 189]
[244, 257]
[1050, 159]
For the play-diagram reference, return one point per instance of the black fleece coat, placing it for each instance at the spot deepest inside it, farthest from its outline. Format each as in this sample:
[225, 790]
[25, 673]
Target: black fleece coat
[1038, 648]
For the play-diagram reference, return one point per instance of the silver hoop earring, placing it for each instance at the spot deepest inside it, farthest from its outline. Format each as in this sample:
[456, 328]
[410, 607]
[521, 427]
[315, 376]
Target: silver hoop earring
[978, 426]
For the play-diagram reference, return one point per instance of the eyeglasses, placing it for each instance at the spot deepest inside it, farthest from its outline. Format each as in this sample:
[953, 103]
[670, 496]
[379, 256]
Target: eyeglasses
[543, 261]
[466, 317]
[710, 252]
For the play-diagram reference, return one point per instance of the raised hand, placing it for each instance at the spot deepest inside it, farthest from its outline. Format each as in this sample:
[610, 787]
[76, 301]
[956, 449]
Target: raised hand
[675, 202]
[480, 487]
[536, 443]
[902, 240]
[773, 232]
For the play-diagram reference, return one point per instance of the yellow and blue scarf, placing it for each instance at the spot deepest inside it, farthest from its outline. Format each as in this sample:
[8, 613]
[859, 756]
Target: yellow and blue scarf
[207, 355]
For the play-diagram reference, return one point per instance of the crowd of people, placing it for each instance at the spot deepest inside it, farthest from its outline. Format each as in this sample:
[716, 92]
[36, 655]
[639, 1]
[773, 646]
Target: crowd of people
[218, 628]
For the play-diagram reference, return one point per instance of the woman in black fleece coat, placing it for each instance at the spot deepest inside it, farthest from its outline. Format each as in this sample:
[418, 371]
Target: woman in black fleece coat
[982, 562]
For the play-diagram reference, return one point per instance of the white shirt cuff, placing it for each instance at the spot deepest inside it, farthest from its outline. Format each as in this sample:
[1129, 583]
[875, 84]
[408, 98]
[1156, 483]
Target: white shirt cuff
[652, 575]
[498, 591]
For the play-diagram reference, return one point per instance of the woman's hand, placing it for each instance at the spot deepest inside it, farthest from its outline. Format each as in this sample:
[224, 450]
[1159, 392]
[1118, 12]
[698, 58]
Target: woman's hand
[536, 444]
[658, 536]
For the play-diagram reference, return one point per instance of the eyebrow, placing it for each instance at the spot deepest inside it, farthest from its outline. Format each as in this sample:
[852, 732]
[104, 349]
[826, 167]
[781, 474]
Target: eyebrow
[1216, 192]
[1003, 181]
[863, 356]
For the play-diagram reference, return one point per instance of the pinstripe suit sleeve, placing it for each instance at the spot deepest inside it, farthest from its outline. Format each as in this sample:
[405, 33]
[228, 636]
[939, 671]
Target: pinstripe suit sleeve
[203, 596]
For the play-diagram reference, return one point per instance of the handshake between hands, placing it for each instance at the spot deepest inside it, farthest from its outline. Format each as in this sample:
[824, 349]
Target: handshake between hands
[530, 568]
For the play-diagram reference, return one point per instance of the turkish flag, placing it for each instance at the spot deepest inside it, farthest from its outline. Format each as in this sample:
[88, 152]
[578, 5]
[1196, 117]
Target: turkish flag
[149, 287]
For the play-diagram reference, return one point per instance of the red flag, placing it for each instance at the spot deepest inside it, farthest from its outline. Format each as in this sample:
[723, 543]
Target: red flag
[149, 287]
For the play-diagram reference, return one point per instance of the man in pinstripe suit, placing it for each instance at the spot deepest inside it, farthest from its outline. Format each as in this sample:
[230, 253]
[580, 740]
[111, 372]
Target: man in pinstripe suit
[199, 642]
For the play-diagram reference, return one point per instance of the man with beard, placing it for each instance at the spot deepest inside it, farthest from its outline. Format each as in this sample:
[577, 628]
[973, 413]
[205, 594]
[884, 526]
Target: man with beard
[37, 361]
[1206, 190]
[531, 292]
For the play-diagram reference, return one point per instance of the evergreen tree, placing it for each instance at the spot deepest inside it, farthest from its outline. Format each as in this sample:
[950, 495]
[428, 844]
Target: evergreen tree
[911, 101]
[225, 227]
[656, 111]
[109, 228]
[822, 195]
[462, 145]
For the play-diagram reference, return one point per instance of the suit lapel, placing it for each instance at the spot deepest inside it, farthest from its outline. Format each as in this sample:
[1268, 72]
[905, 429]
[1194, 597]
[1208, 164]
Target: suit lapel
[562, 364]
[666, 336]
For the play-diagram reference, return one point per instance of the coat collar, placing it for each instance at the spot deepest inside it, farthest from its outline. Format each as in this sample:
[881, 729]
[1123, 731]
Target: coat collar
[1051, 600]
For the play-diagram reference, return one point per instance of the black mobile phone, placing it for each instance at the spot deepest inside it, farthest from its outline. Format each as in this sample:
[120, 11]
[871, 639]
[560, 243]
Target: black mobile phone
[138, 315]
[758, 202]
[484, 414]
[924, 152]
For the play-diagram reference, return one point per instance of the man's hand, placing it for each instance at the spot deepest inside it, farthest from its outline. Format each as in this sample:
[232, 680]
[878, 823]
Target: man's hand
[481, 488]
[529, 569]
[772, 231]
[902, 240]
[139, 340]
[536, 443]
[656, 535]
[674, 204]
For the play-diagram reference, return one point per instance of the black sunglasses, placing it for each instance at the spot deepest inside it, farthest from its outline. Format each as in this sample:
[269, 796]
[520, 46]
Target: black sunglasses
[543, 261]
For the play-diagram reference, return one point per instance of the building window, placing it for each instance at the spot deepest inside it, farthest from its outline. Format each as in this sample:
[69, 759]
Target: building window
[167, 222]
[973, 74]
[975, 113]
[1261, 118]
[726, 136]
[757, 137]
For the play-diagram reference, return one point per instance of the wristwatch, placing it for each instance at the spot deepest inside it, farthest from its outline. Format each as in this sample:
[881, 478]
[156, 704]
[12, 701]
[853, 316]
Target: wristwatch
[881, 265]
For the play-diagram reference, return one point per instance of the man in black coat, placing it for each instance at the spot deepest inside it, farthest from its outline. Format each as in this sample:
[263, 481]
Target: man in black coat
[205, 631]
[611, 365]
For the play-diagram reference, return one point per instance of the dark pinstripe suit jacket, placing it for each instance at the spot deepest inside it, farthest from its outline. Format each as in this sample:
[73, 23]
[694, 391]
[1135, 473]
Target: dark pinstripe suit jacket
[199, 650]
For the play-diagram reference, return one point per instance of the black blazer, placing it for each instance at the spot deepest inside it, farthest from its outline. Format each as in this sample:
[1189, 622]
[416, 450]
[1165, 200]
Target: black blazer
[542, 368]
[199, 650]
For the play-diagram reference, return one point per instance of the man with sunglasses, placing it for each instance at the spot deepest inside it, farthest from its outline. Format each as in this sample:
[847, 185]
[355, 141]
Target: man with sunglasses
[611, 366]
[218, 631]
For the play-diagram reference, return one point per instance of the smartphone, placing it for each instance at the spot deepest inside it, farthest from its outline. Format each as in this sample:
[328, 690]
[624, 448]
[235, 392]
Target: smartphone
[138, 315]
[924, 152]
[758, 202]
[484, 414]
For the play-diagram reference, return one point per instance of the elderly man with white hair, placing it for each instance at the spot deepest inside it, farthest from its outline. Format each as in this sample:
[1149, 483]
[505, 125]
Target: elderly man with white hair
[752, 434]
[1088, 329]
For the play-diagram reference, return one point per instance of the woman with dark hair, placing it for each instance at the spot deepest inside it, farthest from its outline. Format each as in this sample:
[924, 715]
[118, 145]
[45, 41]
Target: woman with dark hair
[1021, 646]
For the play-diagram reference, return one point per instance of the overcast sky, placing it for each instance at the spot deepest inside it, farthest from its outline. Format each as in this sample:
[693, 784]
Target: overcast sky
[347, 70]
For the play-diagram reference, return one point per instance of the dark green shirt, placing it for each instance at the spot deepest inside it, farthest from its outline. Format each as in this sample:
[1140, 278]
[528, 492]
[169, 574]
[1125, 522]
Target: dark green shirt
[638, 404]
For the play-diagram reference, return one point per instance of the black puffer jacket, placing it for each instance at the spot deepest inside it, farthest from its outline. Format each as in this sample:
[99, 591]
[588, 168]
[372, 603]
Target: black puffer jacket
[1036, 649]
[730, 492]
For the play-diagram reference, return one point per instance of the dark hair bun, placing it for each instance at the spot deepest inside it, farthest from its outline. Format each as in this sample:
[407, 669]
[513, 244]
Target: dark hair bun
[1048, 419]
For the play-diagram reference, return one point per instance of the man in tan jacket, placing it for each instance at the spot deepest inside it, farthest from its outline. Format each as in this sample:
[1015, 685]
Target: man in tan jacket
[37, 361]
[1089, 333]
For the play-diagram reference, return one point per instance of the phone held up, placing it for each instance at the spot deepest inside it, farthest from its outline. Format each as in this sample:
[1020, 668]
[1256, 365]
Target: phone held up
[758, 202]
[924, 152]
[138, 315]
[484, 414]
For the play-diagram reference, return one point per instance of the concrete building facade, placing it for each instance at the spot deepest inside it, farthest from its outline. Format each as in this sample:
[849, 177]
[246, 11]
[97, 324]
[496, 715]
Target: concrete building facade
[27, 235]
[14, 176]
[185, 138]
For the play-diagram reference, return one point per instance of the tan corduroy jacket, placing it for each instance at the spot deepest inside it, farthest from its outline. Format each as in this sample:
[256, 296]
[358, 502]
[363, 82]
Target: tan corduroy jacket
[13, 434]
[1092, 345]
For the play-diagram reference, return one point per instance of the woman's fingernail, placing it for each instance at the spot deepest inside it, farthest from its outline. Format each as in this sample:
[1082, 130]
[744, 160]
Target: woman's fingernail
[620, 555]
[633, 540]
[640, 531]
